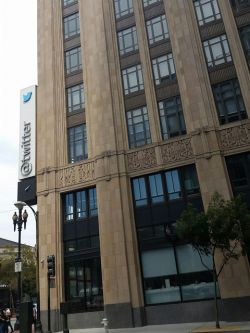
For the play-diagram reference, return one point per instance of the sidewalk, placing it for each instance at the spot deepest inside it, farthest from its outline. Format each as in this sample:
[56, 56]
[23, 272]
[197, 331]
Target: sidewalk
[172, 328]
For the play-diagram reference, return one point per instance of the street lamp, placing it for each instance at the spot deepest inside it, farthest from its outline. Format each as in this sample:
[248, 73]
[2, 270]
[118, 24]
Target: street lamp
[18, 221]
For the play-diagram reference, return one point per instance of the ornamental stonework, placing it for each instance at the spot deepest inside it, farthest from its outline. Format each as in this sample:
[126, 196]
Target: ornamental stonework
[141, 159]
[177, 151]
[235, 137]
[76, 174]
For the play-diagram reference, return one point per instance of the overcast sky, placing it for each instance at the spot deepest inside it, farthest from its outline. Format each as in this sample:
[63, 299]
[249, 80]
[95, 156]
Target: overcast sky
[18, 70]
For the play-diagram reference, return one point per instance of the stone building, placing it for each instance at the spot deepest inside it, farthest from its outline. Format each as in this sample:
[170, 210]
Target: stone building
[142, 107]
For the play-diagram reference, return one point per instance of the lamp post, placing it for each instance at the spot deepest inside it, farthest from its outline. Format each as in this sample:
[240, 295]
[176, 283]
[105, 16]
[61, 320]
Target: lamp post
[18, 221]
[38, 325]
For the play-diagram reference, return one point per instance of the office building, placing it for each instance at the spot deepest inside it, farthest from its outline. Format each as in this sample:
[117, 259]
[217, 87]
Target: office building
[143, 106]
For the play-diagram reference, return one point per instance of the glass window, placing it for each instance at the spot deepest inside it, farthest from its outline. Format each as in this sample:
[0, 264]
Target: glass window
[81, 204]
[69, 2]
[75, 98]
[77, 143]
[171, 117]
[70, 246]
[140, 192]
[229, 102]
[132, 79]
[127, 40]
[173, 184]
[150, 2]
[191, 183]
[245, 39]
[240, 4]
[160, 276]
[69, 208]
[239, 170]
[138, 127]
[157, 29]
[207, 11]
[73, 60]
[92, 202]
[217, 51]
[71, 25]
[163, 68]
[123, 7]
[156, 189]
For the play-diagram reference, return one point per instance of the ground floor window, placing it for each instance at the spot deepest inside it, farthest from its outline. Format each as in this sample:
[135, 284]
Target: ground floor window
[83, 282]
[176, 274]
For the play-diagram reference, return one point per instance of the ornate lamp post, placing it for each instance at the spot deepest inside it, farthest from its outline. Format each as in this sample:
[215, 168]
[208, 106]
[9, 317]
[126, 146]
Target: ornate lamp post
[18, 221]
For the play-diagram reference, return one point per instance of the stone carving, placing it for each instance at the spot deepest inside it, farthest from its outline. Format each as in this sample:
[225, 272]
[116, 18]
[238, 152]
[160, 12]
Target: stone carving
[177, 151]
[141, 159]
[76, 174]
[235, 136]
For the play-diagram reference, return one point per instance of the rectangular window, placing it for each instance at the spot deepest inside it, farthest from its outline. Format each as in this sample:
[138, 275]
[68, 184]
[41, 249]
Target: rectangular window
[173, 184]
[207, 11]
[69, 2]
[138, 127]
[73, 60]
[71, 25]
[163, 68]
[127, 40]
[240, 4]
[132, 79]
[245, 39]
[190, 180]
[123, 7]
[156, 188]
[171, 117]
[80, 205]
[157, 29]
[229, 102]
[75, 98]
[147, 3]
[217, 51]
[77, 143]
[140, 192]
[239, 172]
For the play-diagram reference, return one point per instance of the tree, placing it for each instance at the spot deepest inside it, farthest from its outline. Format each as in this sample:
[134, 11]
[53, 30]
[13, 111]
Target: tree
[223, 228]
[8, 276]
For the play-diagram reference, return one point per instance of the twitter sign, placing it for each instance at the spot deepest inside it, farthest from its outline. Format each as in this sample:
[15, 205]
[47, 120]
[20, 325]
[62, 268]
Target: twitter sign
[27, 136]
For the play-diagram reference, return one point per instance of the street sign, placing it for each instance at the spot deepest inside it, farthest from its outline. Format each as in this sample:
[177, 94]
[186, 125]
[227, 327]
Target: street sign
[18, 266]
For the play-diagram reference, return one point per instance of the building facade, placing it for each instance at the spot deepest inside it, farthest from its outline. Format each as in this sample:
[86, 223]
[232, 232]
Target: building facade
[143, 106]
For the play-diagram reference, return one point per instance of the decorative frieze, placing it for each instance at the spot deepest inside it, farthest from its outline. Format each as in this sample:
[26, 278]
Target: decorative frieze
[234, 137]
[177, 151]
[141, 159]
[76, 174]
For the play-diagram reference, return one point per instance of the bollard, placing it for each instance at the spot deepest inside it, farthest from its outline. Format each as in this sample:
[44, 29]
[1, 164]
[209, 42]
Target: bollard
[105, 324]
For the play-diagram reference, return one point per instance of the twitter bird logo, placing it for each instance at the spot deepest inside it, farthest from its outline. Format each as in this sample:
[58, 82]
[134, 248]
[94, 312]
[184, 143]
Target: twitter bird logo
[27, 97]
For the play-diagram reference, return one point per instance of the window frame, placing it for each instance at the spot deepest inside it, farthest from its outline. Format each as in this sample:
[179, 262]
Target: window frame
[210, 46]
[77, 89]
[69, 54]
[127, 77]
[170, 66]
[152, 25]
[121, 37]
[199, 10]
[119, 13]
[67, 21]
[147, 3]
[73, 141]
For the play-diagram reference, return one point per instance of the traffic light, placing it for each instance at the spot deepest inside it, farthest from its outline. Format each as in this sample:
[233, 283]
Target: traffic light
[51, 265]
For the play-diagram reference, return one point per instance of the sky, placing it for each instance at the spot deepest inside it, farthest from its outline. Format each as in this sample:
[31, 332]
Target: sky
[18, 70]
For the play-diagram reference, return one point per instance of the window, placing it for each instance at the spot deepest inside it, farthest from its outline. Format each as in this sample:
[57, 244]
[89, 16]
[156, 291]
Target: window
[229, 102]
[69, 2]
[80, 205]
[77, 143]
[217, 51]
[165, 186]
[127, 40]
[132, 79]
[123, 7]
[240, 4]
[171, 117]
[207, 11]
[83, 280]
[157, 29]
[138, 127]
[245, 39]
[75, 98]
[73, 60]
[71, 25]
[140, 193]
[150, 2]
[163, 68]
